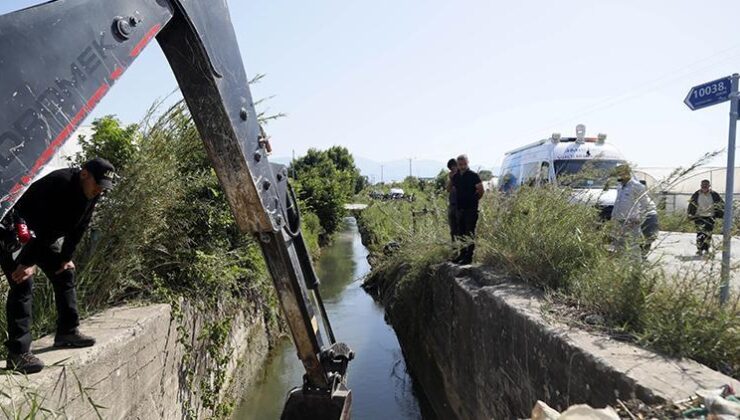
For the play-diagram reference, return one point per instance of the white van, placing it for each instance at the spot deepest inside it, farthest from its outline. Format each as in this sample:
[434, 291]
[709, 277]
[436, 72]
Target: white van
[582, 163]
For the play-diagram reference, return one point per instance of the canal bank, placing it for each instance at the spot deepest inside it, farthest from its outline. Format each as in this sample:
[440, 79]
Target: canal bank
[149, 362]
[380, 385]
[481, 346]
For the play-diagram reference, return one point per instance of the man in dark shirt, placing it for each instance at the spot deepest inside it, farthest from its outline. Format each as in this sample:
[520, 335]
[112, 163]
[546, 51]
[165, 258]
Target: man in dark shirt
[452, 199]
[468, 188]
[59, 205]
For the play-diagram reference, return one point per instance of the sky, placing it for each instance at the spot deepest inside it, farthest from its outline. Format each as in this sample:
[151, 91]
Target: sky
[430, 79]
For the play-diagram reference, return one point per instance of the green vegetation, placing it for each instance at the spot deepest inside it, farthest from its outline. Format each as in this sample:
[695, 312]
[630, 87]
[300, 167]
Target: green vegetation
[675, 222]
[110, 139]
[540, 238]
[485, 175]
[325, 180]
[167, 226]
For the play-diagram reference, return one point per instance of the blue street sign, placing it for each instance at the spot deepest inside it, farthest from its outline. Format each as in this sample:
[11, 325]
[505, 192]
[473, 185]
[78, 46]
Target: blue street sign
[708, 94]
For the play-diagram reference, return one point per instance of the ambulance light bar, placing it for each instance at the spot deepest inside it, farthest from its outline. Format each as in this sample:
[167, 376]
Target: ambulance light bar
[580, 133]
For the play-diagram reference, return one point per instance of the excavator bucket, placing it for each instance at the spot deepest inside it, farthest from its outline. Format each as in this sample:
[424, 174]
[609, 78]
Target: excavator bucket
[302, 405]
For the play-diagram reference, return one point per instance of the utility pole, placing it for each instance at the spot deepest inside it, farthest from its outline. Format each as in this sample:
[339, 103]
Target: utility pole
[381, 174]
[724, 291]
[410, 172]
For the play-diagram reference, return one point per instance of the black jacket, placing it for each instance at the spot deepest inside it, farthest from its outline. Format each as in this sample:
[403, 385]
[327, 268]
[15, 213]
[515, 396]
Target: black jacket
[718, 204]
[53, 207]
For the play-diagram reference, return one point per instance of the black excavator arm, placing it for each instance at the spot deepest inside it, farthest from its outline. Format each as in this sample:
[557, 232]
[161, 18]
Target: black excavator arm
[58, 59]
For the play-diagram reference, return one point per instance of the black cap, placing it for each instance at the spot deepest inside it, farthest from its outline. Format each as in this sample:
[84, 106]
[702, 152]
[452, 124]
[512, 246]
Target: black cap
[102, 170]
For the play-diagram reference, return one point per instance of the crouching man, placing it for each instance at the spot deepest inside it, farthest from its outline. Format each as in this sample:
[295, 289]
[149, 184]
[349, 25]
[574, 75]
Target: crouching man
[56, 208]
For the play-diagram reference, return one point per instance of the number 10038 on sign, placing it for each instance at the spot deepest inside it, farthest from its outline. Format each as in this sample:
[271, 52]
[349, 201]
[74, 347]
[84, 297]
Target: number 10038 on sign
[710, 93]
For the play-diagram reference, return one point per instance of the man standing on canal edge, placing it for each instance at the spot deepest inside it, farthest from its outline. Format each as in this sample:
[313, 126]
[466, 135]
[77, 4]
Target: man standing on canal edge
[468, 188]
[452, 199]
[704, 206]
[57, 206]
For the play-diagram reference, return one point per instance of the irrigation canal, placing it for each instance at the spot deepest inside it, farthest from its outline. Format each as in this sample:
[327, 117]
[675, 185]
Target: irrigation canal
[380, 385]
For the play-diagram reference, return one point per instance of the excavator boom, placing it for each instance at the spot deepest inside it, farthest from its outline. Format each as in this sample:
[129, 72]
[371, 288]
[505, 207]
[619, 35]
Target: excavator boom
[59, 59]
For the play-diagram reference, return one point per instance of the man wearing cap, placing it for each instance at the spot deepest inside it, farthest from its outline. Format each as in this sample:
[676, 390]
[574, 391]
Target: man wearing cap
[57, 208]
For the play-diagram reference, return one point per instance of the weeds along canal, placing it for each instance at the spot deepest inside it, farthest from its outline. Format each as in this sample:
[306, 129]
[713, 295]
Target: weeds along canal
[381, 387]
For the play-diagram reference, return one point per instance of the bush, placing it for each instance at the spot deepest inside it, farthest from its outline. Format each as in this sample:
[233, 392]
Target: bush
[110, 141]
[167, 224]
[681, 317]
[324, 182]
[566, 239]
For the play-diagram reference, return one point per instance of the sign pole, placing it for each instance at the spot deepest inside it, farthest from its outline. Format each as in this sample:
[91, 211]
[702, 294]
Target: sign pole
[729, 193]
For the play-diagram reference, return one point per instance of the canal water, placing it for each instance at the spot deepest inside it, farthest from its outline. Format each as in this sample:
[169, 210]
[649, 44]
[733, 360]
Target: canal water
[381, 387]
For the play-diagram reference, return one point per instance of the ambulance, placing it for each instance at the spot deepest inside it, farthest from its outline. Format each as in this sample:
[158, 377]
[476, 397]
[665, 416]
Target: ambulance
[580, 163]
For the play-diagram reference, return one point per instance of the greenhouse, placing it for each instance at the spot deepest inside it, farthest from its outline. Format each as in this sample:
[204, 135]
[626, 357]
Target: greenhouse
[674, 192]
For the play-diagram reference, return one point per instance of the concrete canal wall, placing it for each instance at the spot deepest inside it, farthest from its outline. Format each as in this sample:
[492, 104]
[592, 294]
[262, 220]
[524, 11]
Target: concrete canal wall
[136, 370]
[481, 347]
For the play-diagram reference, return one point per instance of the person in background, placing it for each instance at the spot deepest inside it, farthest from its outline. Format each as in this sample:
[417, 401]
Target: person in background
[650, 224]
[468, 188]
[57, 206]
[452, 198]
[631, 207]
[705, 205]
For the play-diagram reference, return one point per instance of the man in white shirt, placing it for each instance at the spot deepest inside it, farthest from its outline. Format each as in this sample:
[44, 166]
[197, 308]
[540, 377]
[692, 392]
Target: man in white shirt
[704, 206]
[631, 210]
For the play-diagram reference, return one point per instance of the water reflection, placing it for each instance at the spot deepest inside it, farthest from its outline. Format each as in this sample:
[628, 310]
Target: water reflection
[380, 385]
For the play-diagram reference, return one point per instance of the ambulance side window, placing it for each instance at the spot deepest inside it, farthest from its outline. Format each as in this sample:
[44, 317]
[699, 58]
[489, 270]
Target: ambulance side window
[530, 171]
[509, 180]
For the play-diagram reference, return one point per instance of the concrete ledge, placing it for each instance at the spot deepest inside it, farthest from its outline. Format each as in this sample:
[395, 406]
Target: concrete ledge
[481, 348]
[134, 371]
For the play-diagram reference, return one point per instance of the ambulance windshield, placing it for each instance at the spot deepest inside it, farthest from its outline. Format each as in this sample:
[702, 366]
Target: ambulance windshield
[585, 173]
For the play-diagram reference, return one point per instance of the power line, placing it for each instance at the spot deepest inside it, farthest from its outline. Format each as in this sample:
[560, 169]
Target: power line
[645, 88]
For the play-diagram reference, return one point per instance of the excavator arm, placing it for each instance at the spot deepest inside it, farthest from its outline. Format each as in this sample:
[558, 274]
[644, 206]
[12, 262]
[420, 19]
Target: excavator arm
[59, 59]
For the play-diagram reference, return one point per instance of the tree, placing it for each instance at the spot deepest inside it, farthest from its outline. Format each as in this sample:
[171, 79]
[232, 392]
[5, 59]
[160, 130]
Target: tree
[485, 174]
[325, 180]
[342, 158]
[345, 162]
[440, 181]
[110, 140]
[361, 182]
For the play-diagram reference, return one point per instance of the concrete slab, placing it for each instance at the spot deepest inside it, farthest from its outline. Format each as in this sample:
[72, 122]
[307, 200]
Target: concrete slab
[676, 252]
[134, 371]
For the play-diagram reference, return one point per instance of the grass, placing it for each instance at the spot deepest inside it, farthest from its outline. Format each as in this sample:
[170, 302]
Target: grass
[542, 239]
